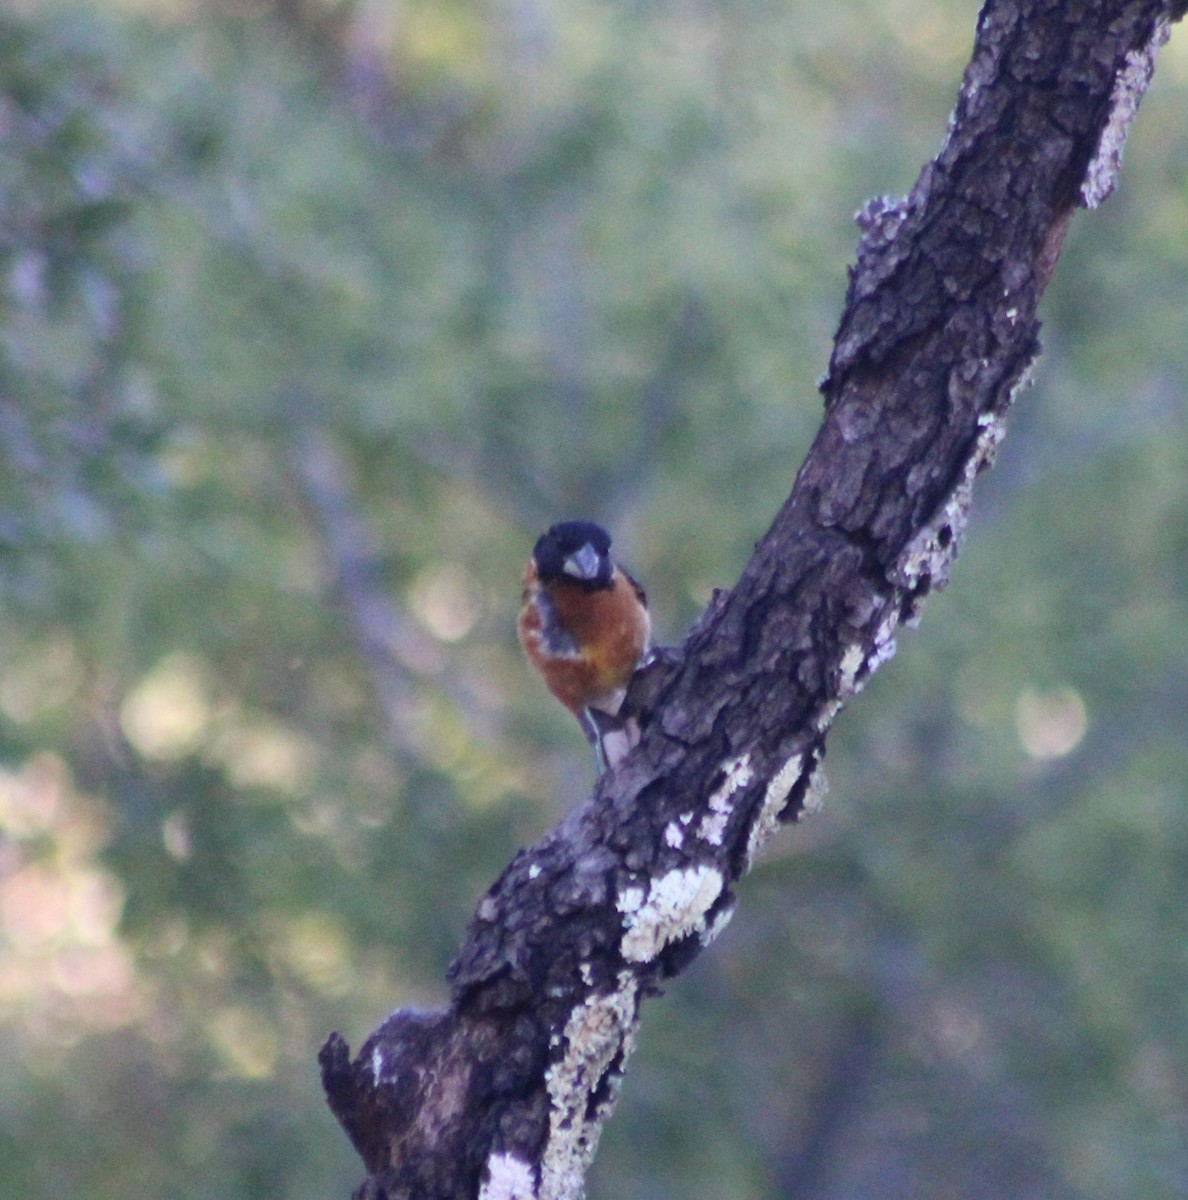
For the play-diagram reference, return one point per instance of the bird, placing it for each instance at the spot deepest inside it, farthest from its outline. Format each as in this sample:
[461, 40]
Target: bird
[584, 625]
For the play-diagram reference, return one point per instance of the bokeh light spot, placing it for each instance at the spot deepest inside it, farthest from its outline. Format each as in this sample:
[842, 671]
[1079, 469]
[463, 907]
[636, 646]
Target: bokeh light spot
[167, 714]
[445, 602]
[1052, 723]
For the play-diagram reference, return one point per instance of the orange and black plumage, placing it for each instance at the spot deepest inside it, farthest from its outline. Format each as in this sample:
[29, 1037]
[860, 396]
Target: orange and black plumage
[584, 625]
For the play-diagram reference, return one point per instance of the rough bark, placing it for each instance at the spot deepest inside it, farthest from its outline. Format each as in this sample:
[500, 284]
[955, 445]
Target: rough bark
[504, 1093]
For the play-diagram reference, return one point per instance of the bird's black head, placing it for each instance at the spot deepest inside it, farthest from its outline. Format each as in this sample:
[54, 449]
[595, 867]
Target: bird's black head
[577, 552]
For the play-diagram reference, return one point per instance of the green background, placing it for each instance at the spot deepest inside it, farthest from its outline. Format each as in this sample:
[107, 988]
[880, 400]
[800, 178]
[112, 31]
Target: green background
[314, 314]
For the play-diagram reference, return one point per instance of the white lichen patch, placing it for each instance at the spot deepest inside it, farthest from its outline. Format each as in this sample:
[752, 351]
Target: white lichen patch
[597, 1032]
[377, 1065]
[631, 899]
[675, 907]
[508, 1178]
[827, 712]
[884, 652]
[719, 922]
[851, 664]
[992, 429]
[858, 663]
[815, 793]
[534, 871]
[931, 552]
[884, 641]
[1129, 87]
[674, 835]
[737, 774]
[774, 799]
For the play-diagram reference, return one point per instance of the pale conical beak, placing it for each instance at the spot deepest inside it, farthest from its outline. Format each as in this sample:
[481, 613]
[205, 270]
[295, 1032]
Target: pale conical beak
[582, 564]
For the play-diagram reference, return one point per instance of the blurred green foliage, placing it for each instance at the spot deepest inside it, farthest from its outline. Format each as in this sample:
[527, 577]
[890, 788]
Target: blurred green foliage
[313, 315]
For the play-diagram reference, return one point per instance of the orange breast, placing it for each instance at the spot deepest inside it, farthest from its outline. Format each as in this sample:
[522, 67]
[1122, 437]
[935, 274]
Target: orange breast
[586, 645]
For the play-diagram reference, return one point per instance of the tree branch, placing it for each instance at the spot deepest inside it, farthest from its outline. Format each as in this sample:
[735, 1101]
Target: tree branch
[503, 1094]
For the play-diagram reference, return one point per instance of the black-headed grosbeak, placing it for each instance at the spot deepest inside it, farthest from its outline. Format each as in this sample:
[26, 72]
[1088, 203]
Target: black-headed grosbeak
[584, 625]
